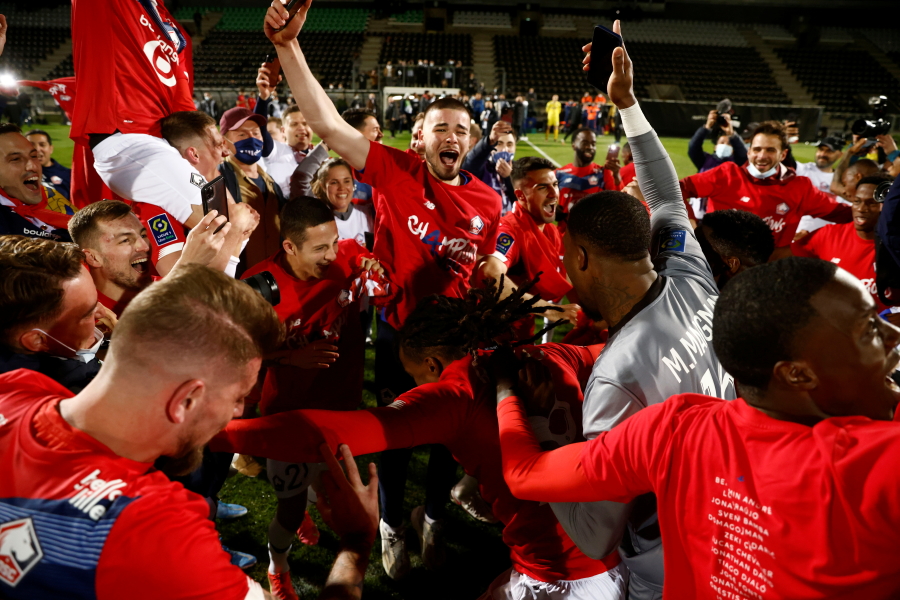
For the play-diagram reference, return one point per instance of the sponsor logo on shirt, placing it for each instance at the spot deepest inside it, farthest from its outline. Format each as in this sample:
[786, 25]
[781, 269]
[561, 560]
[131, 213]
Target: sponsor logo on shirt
[39, 233]
[198, 180]
[429, 205]
[91, 491]
[593, 180]
[504, 243]
[774, 225]
[20, 550]
[745, 199]
[451, 254]
[782, 209]
[835, 260]
[476, 225]
[673, 241]
[396, 403]
[162, 230]
[161, 54]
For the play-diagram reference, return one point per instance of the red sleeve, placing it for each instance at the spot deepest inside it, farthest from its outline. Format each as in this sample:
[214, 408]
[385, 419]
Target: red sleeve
[423, 415]
[616, 465]
[92, 22]
[609, 180]
[508, 245]
[486, 248]
[703, 184]
[164, 546]
[810, 245]
[580, 358]
[384, 164]
[817, 203]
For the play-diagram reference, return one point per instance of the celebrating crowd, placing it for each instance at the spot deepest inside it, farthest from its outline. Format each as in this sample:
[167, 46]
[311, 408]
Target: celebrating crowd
[719, 422]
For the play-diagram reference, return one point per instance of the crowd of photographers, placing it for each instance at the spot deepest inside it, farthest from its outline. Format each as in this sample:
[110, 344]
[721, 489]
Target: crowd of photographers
[126, 343]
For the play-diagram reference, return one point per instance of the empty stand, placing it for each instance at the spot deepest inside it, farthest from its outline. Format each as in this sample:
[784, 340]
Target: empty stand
[439, 47]
[28, 46]
[835, 76]
[64, 69]
[691, 33]
[774, 33]
[409, 17]
[490, 20]
[557, 22]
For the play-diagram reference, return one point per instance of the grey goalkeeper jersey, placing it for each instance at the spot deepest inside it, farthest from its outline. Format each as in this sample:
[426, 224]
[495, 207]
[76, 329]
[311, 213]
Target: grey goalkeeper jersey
[663, 350]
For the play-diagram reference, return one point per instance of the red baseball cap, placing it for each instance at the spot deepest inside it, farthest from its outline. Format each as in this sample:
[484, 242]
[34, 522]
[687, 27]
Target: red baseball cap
[237, 116]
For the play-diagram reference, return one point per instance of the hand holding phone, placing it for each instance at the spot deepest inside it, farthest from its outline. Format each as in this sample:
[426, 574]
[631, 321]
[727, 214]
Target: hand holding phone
[292, 8]
[620, 87]
[612, 152]
[602, 47]
[280, 26]
[215, 197]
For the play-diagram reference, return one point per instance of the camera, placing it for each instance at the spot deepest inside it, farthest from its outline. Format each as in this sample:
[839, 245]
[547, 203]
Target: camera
[882, 190]
[878, 125]
[721, 108]
[265, 285]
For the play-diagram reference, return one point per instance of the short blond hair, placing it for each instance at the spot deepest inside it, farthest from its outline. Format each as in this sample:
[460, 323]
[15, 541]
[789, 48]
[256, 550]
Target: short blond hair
[198, 313]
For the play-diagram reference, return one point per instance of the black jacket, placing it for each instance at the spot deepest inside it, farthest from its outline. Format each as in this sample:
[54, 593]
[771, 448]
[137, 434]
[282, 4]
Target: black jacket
[72, 374]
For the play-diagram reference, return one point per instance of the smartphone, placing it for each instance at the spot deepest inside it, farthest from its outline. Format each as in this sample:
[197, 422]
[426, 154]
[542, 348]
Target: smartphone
[604, 42]
[612, 152]
[292, 7]
[214, 197]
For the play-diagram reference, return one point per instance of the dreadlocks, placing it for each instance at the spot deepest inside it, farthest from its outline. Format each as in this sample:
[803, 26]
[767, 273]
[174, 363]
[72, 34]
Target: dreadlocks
[454, 327]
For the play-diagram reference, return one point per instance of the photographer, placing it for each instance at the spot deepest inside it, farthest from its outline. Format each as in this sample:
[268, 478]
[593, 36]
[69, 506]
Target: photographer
[729, 146]
[49, 311]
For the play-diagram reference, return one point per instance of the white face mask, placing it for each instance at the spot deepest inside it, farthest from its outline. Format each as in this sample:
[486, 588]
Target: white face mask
[723, 151]
[86, 355]
[760, 175]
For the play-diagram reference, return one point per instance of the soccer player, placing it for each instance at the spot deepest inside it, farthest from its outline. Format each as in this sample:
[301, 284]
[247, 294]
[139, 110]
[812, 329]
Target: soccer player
[117, 252]
[454, 405]
[780, 493]
[658, 306]
[136, 53]
[734, 241]
[27, 207]
[54, 174]
[851, 246]
[553, 108]
[434, 225]
[766, 188]
[582, 176]
[321, 364]
[87, 489]
[526, 246]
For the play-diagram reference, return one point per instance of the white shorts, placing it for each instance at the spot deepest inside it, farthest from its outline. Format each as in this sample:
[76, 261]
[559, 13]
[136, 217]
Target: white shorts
[512, 585]
[143, 168]
[292, 479]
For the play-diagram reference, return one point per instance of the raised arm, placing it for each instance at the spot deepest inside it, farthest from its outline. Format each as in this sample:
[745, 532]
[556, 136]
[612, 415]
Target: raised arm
[315, 105]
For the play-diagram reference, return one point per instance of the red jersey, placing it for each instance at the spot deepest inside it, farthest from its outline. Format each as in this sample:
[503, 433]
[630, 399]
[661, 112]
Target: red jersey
[132, 70]
[428, 234]
[841, 245]
[459, 412]
[77, 521]
[592, 112]
[577, 182]
[626, 175]
[780, 200]
[117, 306]
[750, 507]
[62, 90]
[312, 310]
[527, 251]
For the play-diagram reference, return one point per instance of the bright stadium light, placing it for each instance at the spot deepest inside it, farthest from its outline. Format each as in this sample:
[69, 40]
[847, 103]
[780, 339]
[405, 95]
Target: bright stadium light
[7, 80]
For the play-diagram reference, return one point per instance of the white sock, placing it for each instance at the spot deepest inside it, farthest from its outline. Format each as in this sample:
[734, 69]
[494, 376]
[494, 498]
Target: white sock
[279, 546]
[388, 530]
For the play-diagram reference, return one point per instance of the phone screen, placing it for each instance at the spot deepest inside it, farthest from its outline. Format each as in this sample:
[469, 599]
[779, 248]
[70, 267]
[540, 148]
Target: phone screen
[612, 151]
[214, 196]
[604, 42]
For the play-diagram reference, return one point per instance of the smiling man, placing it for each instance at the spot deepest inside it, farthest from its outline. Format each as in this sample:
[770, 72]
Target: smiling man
[583, 176]
[851, 246]
[25, 208]
[766, 188]
[438, 222]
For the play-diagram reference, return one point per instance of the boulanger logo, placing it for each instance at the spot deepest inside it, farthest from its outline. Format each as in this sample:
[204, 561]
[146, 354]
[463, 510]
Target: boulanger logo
[20, 550]
[160, 62]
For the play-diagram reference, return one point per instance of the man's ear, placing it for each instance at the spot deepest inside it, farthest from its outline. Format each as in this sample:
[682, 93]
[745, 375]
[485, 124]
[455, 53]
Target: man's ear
[784, 154]
[796, 376]
[434, 365]
[289, 247]
[91, 258]
[191, 155]
[34, 341]
[734, 264]
[186, 398]
[520, 196]
[581, 258]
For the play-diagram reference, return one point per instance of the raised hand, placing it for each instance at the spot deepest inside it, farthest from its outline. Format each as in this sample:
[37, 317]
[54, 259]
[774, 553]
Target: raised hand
[3, 28]
[280, 27]
[205, 240]
[621, 83]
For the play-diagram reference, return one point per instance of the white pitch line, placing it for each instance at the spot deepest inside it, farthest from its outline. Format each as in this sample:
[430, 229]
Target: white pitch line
[542, 153]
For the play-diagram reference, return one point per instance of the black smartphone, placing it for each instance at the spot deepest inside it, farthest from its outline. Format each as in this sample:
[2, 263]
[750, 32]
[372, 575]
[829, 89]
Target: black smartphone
[612, 152]
[602, 46]
[214, 197]
[292, 7]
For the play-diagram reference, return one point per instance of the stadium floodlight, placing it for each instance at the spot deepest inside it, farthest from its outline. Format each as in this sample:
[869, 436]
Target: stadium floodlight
[7, 80]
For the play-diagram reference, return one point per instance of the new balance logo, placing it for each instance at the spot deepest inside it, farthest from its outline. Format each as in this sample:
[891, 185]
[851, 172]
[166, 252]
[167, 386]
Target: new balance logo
[91, 490]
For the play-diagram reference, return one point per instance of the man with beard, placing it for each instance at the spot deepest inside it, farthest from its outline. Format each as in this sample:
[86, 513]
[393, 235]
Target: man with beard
[83, 463]
[582, 176]
[851, 245]
[434, 225]
[767, 188]
[117, 251]
[658, 305]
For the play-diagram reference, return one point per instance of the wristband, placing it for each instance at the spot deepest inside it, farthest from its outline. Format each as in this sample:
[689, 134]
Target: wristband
[893, 155]
[633, 121]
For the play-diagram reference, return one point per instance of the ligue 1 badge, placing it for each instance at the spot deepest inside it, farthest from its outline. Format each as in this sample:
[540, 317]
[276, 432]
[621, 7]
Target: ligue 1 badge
[782, 209]
[476, 225]
[20, 550]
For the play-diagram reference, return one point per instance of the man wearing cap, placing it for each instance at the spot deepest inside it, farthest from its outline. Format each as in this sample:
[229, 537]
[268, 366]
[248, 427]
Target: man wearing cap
[248, 182]
[828, 151]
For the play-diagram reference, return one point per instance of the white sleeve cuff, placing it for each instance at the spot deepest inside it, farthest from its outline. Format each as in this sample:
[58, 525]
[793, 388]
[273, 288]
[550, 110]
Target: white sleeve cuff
[634, 122]
[232, 266]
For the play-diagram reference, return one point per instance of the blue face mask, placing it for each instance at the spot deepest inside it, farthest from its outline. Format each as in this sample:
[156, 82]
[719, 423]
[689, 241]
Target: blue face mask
[507, 156]
[249, 150]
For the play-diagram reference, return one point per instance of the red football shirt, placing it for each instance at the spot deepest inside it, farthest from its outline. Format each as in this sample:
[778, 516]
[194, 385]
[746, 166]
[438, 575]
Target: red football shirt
[129, 73]
[458, 412]
[428, 234]
[780, 200]
[77, 520]
[841, 245]
[527, 251]
[312, 310]
[626, 175]
[750, 507]
[577, 182]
